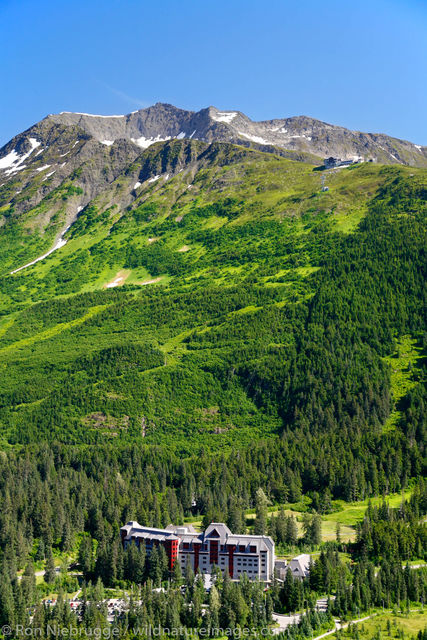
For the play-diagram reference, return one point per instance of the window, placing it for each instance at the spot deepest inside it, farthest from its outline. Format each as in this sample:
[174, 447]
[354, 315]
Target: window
[252, 549]
[186, 545]
[242, 548]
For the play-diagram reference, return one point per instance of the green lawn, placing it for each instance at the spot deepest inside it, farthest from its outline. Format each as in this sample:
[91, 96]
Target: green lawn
[410, 624]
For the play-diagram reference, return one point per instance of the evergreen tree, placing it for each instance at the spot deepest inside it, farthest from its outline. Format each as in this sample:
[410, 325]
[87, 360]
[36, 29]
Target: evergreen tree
[291, 531]
[7, 609]
[50, 573]
[261, 510]
[85, 555]
[177, 572]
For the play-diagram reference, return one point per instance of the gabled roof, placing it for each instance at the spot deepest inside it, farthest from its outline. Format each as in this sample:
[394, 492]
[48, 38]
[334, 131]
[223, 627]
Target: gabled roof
[300, 565]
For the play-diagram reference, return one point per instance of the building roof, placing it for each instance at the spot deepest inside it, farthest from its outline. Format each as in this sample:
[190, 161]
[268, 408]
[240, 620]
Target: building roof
[134, 530]
[181, 529]
[186, 533]
[300, 565]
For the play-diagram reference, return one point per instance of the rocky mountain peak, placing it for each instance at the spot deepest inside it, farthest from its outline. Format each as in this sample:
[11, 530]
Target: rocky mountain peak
[163, 121]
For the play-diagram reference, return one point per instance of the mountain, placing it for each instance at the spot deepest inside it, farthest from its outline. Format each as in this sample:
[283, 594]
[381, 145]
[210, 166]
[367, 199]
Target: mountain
[191, 326]
[196, 293]
[201, 294]
[58, 166]
[299, 134]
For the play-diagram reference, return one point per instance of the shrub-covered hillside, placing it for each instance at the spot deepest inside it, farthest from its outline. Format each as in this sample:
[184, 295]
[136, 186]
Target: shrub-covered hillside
[229, 302]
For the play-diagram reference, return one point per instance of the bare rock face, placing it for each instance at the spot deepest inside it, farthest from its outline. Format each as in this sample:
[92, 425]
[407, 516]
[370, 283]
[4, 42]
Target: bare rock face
[39, 160]
[163, 122]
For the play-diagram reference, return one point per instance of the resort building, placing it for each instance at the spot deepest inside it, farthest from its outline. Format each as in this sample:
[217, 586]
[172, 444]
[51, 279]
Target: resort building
[298, 566]
[217, 546]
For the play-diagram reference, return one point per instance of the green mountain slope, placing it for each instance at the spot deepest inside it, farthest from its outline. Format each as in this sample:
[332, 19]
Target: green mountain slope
[224, 299]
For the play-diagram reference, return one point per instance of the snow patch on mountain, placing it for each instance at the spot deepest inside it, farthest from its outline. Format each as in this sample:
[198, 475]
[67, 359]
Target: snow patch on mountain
[14, 162]
[61, 242]
[224, 116]
[91, 115]
[107, 142]
[257, 139]
[9, 160]
[9, 172]
[144, 142]
[298, 135]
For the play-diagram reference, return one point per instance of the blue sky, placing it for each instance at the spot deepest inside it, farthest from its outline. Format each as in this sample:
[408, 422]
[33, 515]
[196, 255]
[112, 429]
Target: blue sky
[358, 64]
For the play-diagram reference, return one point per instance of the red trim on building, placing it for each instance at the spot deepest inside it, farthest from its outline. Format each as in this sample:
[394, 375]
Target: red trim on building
[171, 548]
[231, 549]
[196, 546]
[213, 552]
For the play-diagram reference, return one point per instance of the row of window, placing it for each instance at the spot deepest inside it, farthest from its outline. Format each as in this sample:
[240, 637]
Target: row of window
[241, 548]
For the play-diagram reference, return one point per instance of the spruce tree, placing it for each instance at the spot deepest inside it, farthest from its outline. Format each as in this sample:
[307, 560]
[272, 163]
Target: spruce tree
[7, 608]
[49, 574]
[177, 572]
[261, 510]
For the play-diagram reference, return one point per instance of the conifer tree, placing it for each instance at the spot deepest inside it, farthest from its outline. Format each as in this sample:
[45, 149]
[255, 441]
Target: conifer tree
[261, 510]
[291, 531]
[7, 609]
[177, 572]
[49, 574]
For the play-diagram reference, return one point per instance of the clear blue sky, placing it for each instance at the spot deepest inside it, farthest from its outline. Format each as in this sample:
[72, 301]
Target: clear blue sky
[361, 64]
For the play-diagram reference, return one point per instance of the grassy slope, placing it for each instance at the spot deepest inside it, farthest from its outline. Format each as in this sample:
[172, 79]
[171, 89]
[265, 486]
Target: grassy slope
[268, 188]
[376, 626]
[253, 220]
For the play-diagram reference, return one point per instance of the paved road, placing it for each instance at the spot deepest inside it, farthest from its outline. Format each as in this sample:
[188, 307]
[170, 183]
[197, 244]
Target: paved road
[338, 625]
[284, 620]
[41, 573]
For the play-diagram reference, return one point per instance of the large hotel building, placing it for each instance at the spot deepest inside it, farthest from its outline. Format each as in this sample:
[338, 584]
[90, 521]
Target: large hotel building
[237, 554]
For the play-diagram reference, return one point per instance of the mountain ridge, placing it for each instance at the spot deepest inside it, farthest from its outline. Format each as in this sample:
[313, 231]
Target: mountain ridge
[161, 122]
